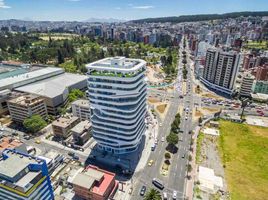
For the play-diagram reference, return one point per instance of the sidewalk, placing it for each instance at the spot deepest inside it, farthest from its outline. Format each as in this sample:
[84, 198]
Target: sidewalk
[190, 183]
[151, 134]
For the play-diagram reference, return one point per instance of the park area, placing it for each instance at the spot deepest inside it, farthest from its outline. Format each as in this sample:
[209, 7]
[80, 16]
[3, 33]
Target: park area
[244, 154]
[256, 45]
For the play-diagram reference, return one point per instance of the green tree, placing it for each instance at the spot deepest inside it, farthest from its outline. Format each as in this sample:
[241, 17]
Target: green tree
[34, 123]
[152, 194]
[189, 168]
[60, 57]
[75, 94]
[200, 120]
[172, 139]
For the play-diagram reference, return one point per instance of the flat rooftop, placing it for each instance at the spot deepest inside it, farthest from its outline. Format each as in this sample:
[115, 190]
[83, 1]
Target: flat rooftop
[26, 78]
[14, 164]
[53, 86]
[81, 103]
[26, 100]
[88, 177]
[64, 121]
[121, 64]
[81, 127]
[7, 71]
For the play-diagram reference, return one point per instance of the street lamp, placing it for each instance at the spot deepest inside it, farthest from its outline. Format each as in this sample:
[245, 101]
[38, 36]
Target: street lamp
[244, 103]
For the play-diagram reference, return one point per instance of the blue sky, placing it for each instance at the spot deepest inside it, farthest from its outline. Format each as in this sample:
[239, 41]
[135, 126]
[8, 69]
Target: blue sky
[120, 9]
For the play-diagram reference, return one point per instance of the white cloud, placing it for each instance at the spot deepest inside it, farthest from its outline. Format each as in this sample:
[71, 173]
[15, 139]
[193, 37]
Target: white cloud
[143, 7]
[3, 5]
[118, 8]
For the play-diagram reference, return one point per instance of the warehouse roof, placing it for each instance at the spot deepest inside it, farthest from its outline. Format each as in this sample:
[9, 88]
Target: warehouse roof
[26, 78]
[53, 86]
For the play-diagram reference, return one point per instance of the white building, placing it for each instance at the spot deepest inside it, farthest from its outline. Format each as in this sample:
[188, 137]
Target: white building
[117, 93]
[81, 109]
[221, 70]
[246, 85]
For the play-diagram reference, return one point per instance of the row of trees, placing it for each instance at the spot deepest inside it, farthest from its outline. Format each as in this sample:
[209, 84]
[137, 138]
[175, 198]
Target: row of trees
[173, 137]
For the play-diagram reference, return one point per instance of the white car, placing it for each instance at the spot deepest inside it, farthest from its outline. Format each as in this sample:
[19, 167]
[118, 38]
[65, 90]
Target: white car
[174, 195]
[160, 124]
[163, 139]
[186, 118]
[165, 196]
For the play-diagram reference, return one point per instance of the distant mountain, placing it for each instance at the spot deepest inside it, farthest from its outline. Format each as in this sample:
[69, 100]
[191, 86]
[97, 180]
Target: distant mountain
[104, 20]
[201, 17]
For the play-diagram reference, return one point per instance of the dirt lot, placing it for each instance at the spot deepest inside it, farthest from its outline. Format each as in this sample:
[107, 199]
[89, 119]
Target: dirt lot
[154, 74]
[208, 156]
[161, 108]
[210, 95]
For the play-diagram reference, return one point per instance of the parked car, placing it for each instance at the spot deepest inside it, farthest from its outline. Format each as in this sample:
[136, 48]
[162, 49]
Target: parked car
[165, 197]
[75, 157]
[143, 190]
[37, 141]
[27, 137]
[174, 195]
[71, 153]
[150, 163]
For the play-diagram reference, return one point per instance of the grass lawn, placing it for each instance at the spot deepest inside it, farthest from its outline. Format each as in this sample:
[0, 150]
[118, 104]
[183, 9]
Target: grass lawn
[200, 138]
[244, 152]
[256, 45]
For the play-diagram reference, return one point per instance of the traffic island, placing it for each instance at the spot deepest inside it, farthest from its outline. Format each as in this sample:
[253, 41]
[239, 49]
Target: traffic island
[166, 164]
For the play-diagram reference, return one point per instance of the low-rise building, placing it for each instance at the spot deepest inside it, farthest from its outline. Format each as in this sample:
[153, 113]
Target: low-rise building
[6, 95]
[62, 126]
[95, 183]
[10, 143]
[81, 109]
[81, 132]
[24, 177]
[25, 106]
[53, 160]
[55, 90]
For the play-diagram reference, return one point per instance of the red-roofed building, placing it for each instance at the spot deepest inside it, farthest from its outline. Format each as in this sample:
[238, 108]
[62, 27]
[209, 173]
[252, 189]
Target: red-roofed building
[9, 143]
[94, 183]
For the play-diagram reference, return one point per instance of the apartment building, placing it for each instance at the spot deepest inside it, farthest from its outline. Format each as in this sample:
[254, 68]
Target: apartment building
[81, 109]
[62, 126]
[25, 106]
[246, 85]
[220, 70]
[117, 94]
[24, 177]
[260, 87]
[81, 132]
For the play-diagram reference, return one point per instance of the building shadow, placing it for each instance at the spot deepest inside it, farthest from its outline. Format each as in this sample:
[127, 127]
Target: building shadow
[122, 165]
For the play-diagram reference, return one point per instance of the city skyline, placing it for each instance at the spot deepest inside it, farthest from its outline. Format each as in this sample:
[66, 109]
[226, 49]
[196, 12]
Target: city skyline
[123, 10]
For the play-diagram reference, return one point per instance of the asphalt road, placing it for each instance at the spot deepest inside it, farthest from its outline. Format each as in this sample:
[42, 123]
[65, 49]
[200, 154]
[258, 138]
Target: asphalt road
[175, 181]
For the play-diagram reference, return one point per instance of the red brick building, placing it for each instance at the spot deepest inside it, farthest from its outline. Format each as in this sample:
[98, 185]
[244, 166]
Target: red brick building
[262, 73]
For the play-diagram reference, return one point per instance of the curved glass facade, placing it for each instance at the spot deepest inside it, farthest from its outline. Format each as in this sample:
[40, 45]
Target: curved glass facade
[117, 94]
